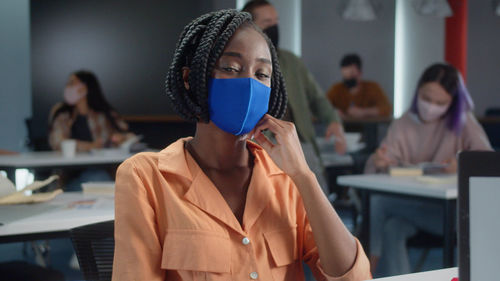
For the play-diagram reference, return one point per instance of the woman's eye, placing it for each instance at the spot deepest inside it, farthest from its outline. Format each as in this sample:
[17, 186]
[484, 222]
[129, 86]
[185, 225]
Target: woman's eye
[230, 69]
[262, 75]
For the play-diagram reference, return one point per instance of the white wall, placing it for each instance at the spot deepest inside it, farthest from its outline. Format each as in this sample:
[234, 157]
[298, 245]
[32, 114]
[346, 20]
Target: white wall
[224, 4]
[327, 37]
[15, 78]
[129, 50]
[419, 43]
[483, 58]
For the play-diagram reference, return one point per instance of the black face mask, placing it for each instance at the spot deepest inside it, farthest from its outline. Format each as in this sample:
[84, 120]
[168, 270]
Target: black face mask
[350, 83]
[273, 34]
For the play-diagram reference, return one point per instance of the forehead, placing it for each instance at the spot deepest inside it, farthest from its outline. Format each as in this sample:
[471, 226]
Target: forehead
[73, 78]
[435, 91]
[349, 69]
[249, 43]
[265, 12]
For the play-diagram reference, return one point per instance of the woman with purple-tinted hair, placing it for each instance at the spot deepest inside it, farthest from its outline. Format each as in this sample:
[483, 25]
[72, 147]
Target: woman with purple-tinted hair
[438, 125]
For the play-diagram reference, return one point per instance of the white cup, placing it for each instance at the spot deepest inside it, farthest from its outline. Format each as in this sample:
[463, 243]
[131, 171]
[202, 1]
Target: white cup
[68, 148]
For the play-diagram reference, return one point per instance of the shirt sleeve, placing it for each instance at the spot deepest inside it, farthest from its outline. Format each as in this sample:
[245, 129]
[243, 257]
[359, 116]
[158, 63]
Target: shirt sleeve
[138, 250]
[59, 130]
[321, 108]
[119, 121]
[381, 102]
[393, 145]
[359, 271]
[334, 94]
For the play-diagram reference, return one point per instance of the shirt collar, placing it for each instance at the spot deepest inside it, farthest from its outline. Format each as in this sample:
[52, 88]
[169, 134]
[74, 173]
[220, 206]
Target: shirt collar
[203, 194]
[173, 159]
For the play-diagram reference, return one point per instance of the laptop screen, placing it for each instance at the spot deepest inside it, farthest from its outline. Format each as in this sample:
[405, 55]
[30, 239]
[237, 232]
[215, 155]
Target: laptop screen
[479, 213]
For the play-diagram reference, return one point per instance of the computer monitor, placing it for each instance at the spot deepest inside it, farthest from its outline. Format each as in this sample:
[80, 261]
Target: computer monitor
[478, 215]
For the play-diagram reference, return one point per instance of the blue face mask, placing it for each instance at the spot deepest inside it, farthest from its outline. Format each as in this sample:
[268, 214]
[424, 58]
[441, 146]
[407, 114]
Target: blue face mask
[237, 104]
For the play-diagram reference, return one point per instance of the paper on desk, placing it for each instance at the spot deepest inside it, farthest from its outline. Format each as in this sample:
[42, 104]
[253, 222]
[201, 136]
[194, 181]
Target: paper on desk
[438, 179]
[100, 203]
[6, 186]
[20, 197]
[103, 188]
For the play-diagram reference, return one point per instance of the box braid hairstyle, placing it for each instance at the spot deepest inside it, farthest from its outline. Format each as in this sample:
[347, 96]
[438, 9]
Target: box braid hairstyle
[199, 47]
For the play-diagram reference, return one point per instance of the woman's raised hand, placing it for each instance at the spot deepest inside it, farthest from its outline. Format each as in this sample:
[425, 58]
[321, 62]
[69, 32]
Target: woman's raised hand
[287, 151]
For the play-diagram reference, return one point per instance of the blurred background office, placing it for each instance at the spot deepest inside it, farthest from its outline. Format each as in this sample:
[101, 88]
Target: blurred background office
[128, 44]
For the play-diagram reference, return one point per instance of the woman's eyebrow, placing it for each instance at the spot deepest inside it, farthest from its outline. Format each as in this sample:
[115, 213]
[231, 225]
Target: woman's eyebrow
[232, 54]
[264, 60]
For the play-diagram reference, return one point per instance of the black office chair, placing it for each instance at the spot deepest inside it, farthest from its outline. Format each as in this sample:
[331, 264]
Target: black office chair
[425, 241]
[33, 141]
[94, 246]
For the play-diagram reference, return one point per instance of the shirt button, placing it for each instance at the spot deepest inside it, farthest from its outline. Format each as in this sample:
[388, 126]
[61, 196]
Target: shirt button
[245, 241]
[254, 275]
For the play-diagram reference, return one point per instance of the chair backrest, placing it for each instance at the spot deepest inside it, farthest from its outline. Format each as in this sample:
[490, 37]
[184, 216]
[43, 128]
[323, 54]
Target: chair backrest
[94, 245]
[492, 112]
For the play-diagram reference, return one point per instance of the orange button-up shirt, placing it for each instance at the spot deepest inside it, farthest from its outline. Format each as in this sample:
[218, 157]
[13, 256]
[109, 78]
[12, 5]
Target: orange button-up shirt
[172, 223]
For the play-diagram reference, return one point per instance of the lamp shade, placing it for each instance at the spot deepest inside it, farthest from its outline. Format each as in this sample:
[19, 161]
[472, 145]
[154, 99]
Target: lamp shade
[434, 8]
[359, 10]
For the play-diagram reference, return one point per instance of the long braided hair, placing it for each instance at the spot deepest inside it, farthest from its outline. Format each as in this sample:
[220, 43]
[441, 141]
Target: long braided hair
[199, 47]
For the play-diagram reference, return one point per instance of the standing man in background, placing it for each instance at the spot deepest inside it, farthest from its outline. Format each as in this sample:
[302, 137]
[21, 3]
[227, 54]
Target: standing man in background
[306, 100]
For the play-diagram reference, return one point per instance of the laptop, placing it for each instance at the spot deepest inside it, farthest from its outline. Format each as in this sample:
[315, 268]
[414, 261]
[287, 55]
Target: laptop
[478, 216]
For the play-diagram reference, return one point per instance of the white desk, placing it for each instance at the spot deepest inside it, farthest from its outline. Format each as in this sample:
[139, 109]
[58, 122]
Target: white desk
[333, 159]
[446, 194]
[54, 218]
[436, 275]
[401, 185]
[53, 159]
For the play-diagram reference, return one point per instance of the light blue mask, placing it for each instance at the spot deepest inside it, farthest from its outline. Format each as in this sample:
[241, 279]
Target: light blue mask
[237, 104]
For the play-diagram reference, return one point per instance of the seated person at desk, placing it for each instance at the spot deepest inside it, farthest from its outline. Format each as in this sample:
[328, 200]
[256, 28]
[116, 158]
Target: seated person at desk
[437, 126]
[86, 117]
[357, 98]
[218, 206]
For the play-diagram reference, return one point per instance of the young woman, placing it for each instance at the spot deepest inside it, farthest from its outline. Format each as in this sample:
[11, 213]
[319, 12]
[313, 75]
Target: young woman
[85, 116]
[438, 125]
[217, 206]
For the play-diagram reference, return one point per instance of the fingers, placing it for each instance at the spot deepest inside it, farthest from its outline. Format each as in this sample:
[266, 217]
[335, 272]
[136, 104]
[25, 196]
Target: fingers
[340, 147]
[272, 124]
[284, 132]
[328, 134]
[381, 158]
[263, 141]
[332, 129]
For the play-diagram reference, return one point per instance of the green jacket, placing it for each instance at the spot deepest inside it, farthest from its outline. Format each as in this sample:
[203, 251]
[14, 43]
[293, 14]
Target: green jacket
[305, 97]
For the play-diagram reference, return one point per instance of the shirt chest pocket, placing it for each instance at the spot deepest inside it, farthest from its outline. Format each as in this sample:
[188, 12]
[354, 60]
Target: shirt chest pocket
[197, 251]
[282, 245]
